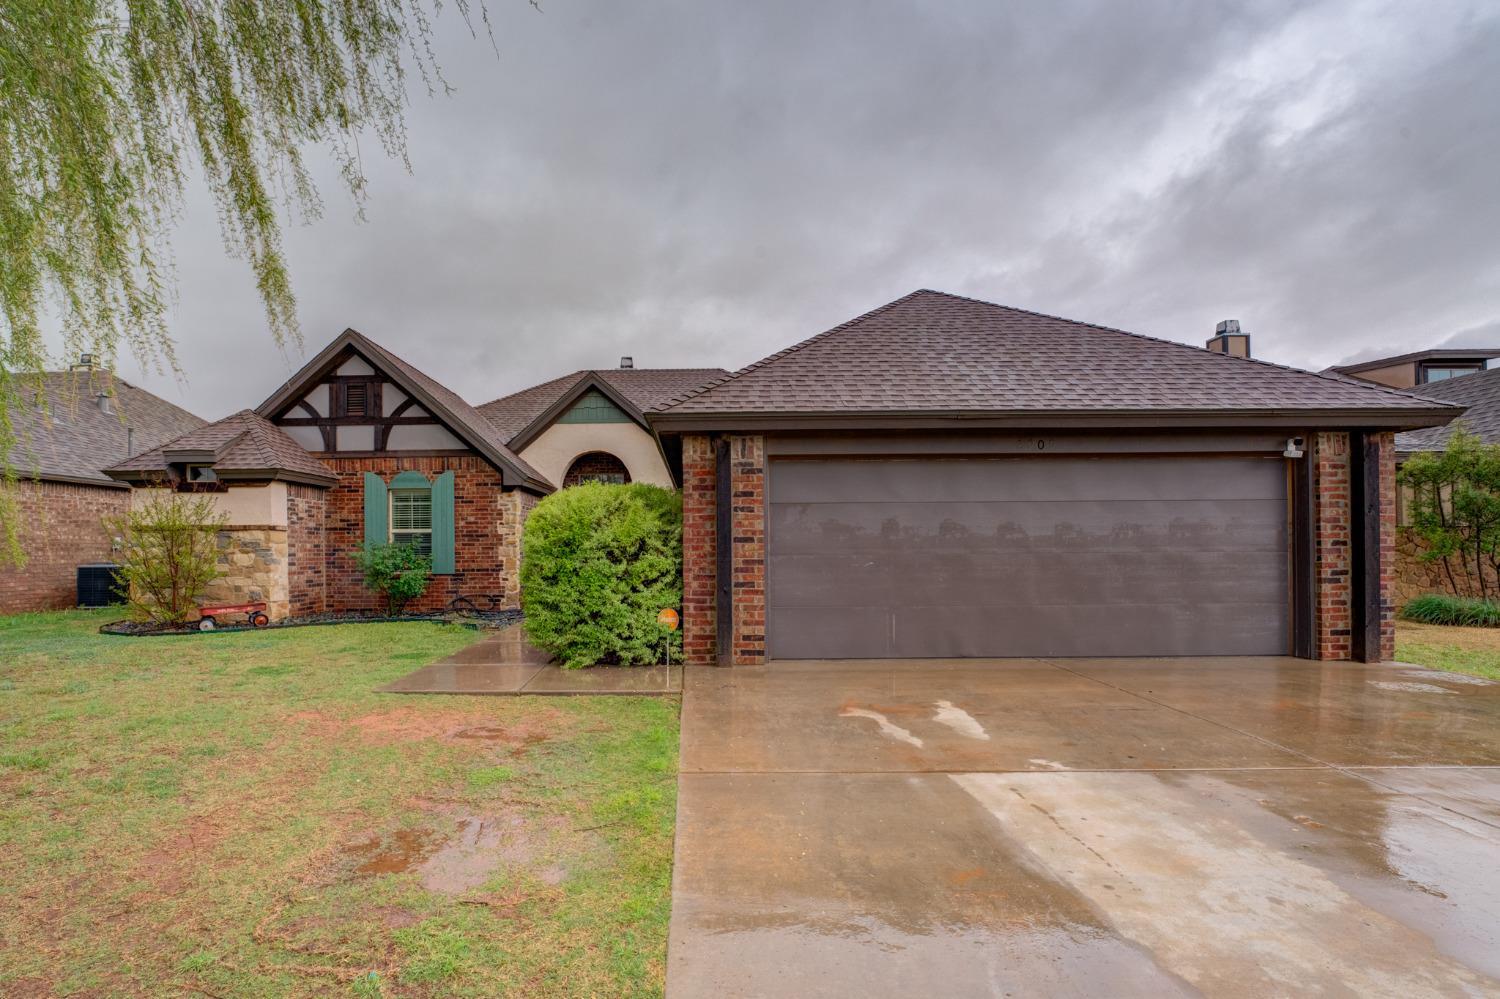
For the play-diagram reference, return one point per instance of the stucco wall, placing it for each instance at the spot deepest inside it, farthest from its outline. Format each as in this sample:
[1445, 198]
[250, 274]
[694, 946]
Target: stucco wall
[257, 505]
[559, 444]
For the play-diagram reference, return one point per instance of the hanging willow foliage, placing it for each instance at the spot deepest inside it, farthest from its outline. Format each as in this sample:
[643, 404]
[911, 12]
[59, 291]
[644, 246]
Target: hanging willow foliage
[105, 105]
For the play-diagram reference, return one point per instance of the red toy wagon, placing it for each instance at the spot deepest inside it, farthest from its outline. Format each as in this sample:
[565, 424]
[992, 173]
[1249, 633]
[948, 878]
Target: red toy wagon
[254, 614]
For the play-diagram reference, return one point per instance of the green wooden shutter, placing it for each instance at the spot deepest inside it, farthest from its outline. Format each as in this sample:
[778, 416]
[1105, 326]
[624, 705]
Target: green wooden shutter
[442, 523]
[375, 510]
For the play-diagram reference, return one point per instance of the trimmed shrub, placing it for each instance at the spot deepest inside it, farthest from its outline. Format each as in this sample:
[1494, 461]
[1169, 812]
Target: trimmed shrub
[397, 572]
[598, 563]
[1439, 608]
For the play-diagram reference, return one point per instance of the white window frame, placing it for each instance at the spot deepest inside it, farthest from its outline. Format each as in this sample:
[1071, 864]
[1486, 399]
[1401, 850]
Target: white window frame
[390, 520]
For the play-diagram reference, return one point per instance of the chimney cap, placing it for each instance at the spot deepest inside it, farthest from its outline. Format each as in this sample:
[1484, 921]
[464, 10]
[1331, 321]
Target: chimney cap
[626, 361]
[1228, 326]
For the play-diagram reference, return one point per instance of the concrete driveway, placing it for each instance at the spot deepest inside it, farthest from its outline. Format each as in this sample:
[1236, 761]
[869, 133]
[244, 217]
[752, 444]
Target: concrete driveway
[1074, 827]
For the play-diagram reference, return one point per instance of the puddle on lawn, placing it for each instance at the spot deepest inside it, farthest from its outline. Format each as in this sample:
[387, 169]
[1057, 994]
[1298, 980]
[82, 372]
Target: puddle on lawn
[481, 846]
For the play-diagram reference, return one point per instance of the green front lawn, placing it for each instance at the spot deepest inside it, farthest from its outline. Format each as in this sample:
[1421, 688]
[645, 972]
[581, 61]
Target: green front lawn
[1475, 651]
[239, 815]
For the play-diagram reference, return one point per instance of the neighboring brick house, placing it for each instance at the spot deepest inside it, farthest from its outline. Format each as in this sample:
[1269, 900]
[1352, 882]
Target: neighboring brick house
[944, 477]
[591, 425]
[68, 426]
[357, 447]
[1479, 393]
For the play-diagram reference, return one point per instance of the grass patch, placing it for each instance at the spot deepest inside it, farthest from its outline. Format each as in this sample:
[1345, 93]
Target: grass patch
[1475, 651]
[1440, 608]
[241, 815]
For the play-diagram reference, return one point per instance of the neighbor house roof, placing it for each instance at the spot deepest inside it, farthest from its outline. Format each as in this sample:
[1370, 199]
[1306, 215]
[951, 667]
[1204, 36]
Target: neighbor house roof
[1436, 354]
[934, 359]
[242, 446]
[442, 402]
[517, 416]
[1480, 392]
[63, 434]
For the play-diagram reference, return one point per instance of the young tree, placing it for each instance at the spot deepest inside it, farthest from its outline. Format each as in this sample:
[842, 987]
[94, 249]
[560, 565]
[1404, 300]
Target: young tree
[1454, 507]
[169, 554]
[105, 107]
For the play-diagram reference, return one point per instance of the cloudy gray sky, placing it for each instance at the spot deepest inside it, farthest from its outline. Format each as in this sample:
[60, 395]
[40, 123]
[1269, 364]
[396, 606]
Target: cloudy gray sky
[702, 183]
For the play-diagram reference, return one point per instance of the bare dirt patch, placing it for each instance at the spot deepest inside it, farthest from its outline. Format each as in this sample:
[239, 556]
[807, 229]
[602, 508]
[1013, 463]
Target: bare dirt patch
[407, 724]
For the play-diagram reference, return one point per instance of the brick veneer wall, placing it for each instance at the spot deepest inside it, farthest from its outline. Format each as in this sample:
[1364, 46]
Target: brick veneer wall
[307, 569]
[747, 477]
[60, 527]
[1330, 457]
[487, 522]
[699, 548]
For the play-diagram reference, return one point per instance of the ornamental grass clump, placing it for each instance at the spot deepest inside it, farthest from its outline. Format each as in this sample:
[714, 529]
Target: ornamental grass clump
[1439, 608]
[599, 563]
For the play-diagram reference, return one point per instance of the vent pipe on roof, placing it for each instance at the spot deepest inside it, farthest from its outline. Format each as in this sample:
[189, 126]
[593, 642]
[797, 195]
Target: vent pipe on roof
[1228, 339]
[627, 362]
[102, 398]
[130, 442]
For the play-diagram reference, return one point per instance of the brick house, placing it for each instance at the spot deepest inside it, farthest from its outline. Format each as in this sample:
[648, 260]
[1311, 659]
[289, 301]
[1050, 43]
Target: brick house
[359, 446]
[68, 426]
[944, 477]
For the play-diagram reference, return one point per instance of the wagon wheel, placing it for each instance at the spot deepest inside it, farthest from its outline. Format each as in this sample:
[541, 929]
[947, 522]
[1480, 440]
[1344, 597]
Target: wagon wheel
[259, 619]
[207, 624]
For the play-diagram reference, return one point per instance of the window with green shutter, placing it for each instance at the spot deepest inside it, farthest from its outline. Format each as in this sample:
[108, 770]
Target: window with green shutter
[412, 510]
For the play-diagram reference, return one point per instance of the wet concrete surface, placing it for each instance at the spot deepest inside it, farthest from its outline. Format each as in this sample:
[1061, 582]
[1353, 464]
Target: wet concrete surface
[506, 663]
[1240, 827]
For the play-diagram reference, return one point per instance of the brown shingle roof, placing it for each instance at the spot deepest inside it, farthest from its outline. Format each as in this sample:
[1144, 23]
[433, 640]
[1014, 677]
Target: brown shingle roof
[72, 439]
[941, 354]
[237, 447]
[443, 402]
[1479, 391]
[644, 387]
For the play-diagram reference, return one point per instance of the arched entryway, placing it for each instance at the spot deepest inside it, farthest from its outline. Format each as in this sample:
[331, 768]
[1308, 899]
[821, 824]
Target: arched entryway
[596, 466]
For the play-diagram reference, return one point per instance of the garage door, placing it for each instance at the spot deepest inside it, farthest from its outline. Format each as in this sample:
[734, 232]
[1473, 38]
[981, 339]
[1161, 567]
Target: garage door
[1056, 556]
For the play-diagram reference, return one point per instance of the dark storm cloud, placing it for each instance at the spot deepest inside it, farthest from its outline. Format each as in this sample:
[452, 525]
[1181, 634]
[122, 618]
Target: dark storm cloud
[703, 183]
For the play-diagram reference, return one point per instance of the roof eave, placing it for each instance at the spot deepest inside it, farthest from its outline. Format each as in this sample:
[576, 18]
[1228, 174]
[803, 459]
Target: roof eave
[276, 475]
[1404, 418]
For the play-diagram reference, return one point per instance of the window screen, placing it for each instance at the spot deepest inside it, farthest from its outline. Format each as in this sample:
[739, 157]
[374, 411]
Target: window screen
[411, 519]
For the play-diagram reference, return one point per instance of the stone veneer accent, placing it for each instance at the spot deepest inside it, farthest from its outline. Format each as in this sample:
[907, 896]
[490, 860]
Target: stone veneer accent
[487, 531]
[1416, 576]
[253, 560]
[1329, 453]
[60, 527]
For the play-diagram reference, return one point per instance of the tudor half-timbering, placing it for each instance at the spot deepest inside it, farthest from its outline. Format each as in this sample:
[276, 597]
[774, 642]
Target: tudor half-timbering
[397, 457]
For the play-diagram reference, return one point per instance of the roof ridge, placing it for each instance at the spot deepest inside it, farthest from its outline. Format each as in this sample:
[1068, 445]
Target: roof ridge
[1380, 389]
[764, 361]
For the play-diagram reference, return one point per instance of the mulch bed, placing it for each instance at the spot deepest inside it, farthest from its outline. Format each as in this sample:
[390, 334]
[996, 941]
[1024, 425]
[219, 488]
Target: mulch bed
[471, 619]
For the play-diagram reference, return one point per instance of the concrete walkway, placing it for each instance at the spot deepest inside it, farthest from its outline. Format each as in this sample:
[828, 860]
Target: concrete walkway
[506, 663]
[1241, 827]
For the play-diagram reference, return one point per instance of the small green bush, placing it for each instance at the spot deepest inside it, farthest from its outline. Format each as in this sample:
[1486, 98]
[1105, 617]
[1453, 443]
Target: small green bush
[397, 572]
[598, 563]
[1439, 608]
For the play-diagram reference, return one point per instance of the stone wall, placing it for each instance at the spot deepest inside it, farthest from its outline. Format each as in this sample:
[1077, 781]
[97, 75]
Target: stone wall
[1416, 576]
[253, 560]
[487, 525]
[61, 527]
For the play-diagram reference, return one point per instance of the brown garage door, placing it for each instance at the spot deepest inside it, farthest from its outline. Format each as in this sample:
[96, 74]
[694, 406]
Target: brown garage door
[1056, 556]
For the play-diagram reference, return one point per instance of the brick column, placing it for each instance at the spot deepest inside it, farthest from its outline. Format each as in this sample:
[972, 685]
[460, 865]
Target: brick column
[698, 549]
[747, 458]
[1330, 455]
[1387, 546]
